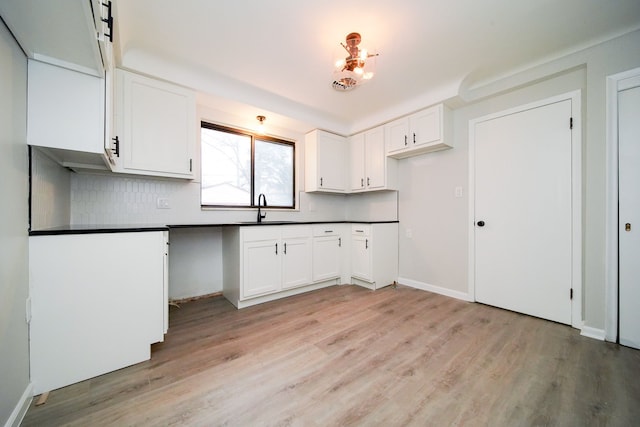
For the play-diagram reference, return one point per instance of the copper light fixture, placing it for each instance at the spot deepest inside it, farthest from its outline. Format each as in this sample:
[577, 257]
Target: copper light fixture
[261, 119]
[356, 68]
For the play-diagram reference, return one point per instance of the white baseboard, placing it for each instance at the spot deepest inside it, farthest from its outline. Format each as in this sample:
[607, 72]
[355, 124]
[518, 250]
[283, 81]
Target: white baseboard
[435, 289]
[21, 408]
[589, 332]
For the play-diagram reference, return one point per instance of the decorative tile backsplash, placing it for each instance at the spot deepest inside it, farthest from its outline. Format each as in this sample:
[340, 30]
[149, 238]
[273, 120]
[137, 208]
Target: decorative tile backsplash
[61, 197]
[100, 199]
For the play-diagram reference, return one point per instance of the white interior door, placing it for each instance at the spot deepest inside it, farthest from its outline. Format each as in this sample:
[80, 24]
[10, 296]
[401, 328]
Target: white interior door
[523, 218]
[629, 215]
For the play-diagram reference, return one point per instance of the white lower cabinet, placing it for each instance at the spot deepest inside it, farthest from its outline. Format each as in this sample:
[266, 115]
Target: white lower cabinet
[374, 254]
[261, 261]
[98, 301]
[261, 270]
[296, 256]
[266, 262]
[327, 252]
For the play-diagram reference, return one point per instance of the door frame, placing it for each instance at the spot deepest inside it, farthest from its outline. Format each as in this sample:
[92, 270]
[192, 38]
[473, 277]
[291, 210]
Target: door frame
[615, 83]
[576, 195]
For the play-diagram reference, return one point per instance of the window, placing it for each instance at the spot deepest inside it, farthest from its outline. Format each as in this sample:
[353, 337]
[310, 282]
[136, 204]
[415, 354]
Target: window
[237, 166]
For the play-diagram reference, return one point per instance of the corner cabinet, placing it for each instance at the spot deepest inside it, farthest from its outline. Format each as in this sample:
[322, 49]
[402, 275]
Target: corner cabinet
[422, 132]
[98, 301]
[155, 126]
[371, 169]
[325, 162]
[374, 254]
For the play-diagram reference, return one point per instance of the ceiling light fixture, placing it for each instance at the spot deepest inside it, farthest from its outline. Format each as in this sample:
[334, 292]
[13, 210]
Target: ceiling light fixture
[261, 119]
[356, 68]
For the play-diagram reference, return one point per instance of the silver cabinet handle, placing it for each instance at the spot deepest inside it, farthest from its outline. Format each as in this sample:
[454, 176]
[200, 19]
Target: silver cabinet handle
[366, 243]
[285, 248]
[276, 249]
[328, 231]
[339, 242]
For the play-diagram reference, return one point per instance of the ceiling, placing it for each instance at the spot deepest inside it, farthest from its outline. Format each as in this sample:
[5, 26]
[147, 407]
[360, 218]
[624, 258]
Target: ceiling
[276, 57]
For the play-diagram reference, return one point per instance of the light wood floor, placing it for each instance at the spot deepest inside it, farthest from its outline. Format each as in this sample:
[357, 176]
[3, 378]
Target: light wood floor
[349, 356]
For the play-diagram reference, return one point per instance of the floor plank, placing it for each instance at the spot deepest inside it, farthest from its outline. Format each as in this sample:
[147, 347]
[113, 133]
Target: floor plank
[345, 355]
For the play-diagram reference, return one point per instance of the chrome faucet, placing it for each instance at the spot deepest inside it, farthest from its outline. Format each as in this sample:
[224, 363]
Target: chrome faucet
[263, 198]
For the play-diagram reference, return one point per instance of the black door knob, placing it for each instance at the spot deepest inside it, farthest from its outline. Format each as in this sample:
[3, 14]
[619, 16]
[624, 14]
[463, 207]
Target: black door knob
[480, 223]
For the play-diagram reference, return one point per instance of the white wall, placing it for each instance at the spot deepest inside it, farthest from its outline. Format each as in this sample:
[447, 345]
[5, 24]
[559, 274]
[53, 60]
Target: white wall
[14, 285]
[50, 192]
[195, 262]
[437, 252]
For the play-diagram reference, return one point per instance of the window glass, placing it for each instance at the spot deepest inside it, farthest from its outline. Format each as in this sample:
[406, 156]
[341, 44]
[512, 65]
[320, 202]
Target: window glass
[238, 166]
[274, 172]
[226, 168]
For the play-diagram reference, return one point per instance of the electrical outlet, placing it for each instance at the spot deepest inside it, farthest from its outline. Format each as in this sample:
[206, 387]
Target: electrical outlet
[409, 233]
[163, 203]
[458, 191]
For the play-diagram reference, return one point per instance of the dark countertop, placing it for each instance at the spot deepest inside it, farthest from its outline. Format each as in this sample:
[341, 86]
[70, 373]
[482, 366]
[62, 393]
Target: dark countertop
[133, 228]
[96, 229]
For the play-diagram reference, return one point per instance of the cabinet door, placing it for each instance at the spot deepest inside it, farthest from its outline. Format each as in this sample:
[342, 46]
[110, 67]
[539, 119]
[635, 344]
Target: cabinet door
[260, 267]
[361, 257]
[375, 159]
[83, 309]
[326, 257]
[425, 126]
[357, 160]
[331, 162]
[65, 109]
[296, 262]
[158, 127]
[397, 135]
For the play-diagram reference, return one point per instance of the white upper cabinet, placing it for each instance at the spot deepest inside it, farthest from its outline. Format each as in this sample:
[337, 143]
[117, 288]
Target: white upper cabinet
[356, 157]
[421, 132]
[370, 168]
[325, 162]
[156, 127]
[66, 33]
[65, 111]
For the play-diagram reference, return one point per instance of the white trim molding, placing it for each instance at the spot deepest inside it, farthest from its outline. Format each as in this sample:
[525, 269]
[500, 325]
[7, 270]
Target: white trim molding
[595, 333]
[435, 289]
[16, 417]
[615, 83]
[576, 196]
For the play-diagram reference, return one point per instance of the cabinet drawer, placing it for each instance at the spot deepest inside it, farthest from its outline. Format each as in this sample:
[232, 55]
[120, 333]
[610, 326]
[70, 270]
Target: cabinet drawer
[295, 231]
[361, 229]
[325, 230]
[260, 232]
